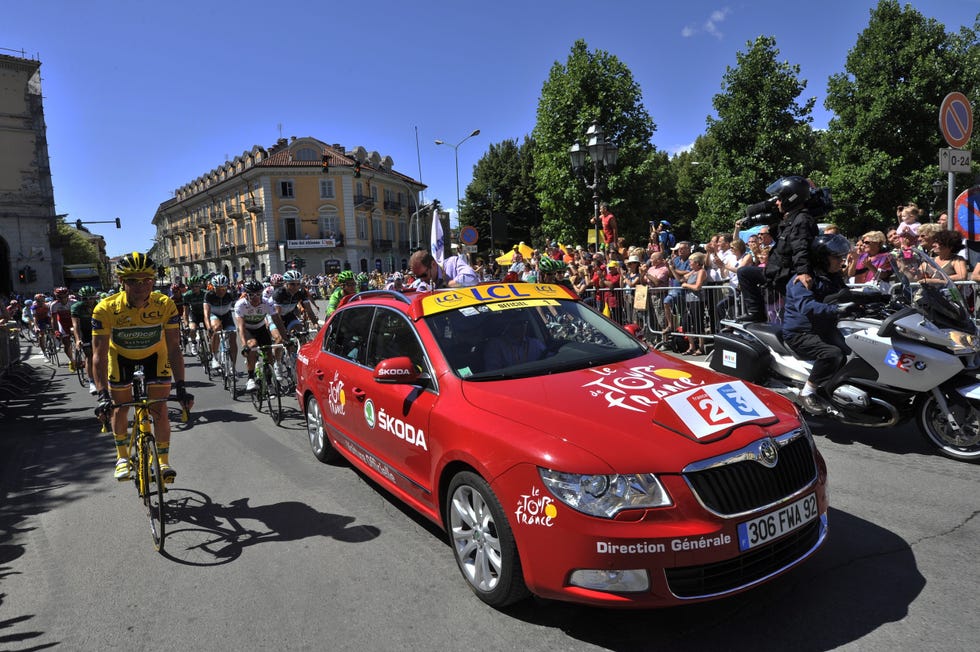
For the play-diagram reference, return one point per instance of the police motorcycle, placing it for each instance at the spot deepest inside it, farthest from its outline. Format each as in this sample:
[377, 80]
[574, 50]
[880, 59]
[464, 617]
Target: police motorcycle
[915, 355]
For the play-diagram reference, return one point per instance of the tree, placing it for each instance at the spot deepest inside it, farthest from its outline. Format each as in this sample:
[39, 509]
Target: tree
[596, 87]
[884, 138]
[503, 187]
[761, 133]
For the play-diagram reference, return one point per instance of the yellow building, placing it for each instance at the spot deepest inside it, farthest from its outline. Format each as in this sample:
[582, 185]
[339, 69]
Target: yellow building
[301, 199]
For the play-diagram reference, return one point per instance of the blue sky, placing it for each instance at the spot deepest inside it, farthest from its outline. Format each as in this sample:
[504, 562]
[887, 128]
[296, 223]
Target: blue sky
[142, 97]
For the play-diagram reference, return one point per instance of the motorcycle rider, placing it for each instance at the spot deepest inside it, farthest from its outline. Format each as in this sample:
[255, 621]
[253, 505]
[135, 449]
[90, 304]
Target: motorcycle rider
[789, 256]
[810, 323]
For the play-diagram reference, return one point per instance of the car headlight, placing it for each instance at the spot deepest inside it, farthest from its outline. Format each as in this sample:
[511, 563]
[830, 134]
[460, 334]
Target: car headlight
[605, 495]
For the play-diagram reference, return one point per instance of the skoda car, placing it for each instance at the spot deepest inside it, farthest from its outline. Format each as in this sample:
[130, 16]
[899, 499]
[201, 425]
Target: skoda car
[563, 457]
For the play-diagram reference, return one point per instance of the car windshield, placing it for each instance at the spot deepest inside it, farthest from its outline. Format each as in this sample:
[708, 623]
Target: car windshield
[922, 284]
[514, 339]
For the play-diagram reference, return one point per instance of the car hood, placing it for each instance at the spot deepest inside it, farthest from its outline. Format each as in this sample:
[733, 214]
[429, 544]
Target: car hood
[653, 413]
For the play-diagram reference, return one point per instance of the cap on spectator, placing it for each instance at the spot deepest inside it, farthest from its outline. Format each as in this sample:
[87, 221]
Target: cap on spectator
[633, 259]
[613, 263]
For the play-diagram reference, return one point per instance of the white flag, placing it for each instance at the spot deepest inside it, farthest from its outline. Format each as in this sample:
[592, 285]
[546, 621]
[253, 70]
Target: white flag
[438, 242]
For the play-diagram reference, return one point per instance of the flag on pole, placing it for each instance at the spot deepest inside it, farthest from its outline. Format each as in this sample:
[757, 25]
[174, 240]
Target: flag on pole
[438, 242]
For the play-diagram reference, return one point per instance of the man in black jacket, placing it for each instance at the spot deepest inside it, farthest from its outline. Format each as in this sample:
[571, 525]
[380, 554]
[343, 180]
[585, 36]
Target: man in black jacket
[791, 254]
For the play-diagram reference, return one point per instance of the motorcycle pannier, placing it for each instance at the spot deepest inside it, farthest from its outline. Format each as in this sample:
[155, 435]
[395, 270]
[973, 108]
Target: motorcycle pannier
[739, 357]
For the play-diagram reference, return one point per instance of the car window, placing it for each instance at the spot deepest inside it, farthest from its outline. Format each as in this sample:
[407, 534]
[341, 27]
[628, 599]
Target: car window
[391, 336]
[348, 334]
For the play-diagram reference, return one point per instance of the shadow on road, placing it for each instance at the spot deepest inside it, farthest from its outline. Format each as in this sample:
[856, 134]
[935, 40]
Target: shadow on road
[201, 532]
[864, 577]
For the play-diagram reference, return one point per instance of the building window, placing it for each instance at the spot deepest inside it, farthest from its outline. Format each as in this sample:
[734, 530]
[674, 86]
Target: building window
[326, 189]
[306, 154]
[389, 230]
[329, 224]
[374, 194]
[289, 230]
[286, 189]
[362, 227]
[376, 228]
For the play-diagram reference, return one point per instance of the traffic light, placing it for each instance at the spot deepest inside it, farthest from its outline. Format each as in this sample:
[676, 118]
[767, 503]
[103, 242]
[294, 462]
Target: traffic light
[325, 166]
[78, 224]
[118, 224]
[22, 275]
[357, 170]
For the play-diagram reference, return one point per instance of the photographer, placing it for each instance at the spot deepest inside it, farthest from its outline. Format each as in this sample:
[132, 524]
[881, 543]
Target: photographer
[791, 197]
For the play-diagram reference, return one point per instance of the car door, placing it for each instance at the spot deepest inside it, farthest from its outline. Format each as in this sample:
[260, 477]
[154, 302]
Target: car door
[396, 415]
[338, 369]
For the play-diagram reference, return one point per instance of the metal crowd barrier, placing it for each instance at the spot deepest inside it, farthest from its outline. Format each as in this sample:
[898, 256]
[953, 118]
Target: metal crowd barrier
[673, 317]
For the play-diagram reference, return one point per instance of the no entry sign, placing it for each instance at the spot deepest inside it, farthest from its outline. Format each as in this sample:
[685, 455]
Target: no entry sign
[956, 120]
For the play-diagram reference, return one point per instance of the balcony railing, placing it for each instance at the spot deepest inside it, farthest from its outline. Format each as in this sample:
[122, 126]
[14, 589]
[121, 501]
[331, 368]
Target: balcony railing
[403, 245]
[393, 206]
[363, 200]
[241, 249]
[382, 245]
[233, 209]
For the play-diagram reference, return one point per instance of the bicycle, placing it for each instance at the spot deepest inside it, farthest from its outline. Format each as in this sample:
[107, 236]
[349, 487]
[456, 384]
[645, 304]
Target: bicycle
[296, 340]
[51, 347]
[267, 387]
[228, 375]
[145, 461]
[80, 367]
[204, 354]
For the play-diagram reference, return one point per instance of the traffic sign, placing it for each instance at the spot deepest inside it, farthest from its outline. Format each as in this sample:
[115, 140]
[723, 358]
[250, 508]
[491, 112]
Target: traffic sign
[956, 119]
[966, 214]
[469, 235]
[955, 160]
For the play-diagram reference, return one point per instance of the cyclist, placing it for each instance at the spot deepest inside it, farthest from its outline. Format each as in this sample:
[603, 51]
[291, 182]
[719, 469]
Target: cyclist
[194, 309]
[363, 282]
[137, 326]
[218, 304]
[257, 324]
[61, 322]
[553, 271]
[41, 317]
[273, 286]
[346, 286]
[396, 282]
[289, 299]
[81, 321]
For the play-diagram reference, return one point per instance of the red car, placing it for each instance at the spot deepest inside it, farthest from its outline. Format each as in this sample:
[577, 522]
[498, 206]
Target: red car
[562, 456]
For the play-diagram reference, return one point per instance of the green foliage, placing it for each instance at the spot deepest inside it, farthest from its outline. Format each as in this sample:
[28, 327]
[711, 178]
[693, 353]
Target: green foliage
[761, 133]
[78, 249]
[503, 186]
[884, 139]
[596, 87]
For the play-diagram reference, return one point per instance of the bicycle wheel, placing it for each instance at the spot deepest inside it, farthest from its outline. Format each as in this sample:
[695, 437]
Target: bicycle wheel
[261, 388]
[80, 368]
[51, 344]
[204, 357]
[273, 396]
[153, 492]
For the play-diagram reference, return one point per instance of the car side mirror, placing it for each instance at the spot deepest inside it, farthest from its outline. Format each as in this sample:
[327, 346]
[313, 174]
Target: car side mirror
[399, 370]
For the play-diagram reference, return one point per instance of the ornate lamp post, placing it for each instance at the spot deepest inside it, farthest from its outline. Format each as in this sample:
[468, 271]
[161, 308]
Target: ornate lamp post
[604, 155]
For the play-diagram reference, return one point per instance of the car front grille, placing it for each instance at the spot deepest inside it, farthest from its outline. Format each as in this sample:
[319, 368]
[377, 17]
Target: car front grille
[741, 483]
[752, 566]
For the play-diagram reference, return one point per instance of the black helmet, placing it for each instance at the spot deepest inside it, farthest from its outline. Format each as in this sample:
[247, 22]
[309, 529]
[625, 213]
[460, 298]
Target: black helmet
[825, 246]
[792, 191]
[252, 287]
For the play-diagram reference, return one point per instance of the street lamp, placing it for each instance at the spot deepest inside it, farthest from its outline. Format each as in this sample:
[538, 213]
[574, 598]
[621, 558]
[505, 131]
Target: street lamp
[476, 132]
[603, 155]
[937, 189]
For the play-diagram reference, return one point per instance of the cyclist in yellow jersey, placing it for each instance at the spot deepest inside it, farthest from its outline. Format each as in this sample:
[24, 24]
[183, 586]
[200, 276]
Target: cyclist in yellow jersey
[137, 326]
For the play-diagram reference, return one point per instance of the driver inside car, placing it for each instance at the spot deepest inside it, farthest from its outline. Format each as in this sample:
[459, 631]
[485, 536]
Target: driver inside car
[810, 323]
[515, 344]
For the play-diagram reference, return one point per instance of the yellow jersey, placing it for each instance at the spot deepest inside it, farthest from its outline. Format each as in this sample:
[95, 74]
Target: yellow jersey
[135, 333]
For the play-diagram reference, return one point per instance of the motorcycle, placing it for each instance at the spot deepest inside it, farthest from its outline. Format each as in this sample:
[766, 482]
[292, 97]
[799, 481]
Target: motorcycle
[915, 355]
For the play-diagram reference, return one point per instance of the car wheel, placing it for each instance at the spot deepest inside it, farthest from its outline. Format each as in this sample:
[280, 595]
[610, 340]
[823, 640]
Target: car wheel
[482, 541]
[323, 450]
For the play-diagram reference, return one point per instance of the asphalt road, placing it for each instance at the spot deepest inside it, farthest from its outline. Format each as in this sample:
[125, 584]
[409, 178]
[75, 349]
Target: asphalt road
[271, 549]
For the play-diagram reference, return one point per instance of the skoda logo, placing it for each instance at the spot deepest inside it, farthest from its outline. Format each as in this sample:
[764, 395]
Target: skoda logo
[768, 454]
[369, 415]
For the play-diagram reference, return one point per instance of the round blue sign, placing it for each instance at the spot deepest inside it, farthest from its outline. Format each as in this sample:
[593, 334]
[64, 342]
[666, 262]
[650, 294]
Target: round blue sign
[469, 235]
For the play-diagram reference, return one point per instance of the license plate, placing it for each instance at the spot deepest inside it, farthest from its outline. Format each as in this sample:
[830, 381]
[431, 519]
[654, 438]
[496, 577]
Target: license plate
[767, 528]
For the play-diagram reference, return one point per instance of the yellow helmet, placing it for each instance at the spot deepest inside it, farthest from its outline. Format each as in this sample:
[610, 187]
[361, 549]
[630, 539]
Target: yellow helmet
[135, 263]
